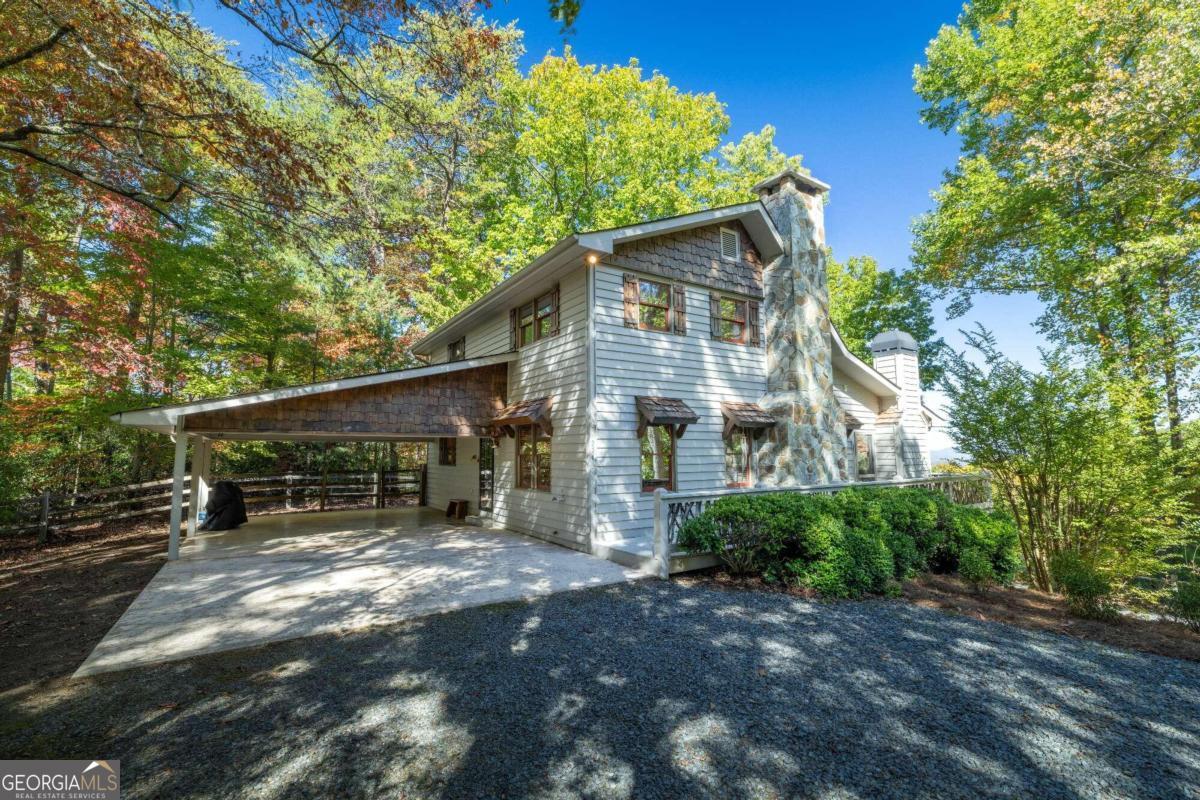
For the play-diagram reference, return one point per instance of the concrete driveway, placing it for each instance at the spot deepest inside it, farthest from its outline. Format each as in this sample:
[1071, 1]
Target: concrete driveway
[290, 575]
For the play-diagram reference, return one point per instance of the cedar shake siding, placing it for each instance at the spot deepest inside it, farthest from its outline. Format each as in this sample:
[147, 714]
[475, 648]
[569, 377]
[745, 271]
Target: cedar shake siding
[694, 256]
[456, 404]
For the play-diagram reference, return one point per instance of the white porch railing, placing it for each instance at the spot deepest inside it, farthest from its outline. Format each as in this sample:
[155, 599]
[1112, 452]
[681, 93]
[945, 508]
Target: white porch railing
[672, 509]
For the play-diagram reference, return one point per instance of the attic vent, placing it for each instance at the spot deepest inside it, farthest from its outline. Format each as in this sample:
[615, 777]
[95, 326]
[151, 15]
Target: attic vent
[730, 246]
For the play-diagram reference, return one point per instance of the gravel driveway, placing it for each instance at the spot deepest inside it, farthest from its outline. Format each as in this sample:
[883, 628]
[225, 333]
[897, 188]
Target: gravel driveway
[640, 690]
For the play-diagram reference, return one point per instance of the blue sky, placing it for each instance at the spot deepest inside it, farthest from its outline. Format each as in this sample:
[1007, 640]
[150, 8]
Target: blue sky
[834, 79]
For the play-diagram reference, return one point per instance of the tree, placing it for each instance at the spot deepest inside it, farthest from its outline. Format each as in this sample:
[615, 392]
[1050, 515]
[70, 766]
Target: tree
[1067, 461]
[578, 147]
[1080, 146]
[864, 300]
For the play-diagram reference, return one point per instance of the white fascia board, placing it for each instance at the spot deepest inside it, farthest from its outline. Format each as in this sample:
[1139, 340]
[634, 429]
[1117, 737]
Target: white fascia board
[162, 418]
[937, 415]
[507, 292]
[753, 215]
[859, 369]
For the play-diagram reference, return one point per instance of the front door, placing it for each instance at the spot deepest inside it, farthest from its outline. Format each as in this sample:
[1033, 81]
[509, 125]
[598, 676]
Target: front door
[487, 471]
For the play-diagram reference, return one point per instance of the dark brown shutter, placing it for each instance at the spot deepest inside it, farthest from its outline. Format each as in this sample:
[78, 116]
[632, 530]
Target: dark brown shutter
[513, 321]
[679, 309]
[557, 314]
[753, 321]
[714, 315]
[631, 300]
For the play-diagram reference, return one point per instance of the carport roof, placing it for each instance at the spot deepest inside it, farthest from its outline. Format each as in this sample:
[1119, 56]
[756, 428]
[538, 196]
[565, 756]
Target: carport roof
[163, 418]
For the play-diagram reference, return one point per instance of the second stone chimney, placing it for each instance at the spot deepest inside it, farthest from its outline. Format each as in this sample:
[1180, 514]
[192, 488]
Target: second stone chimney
[808, 443]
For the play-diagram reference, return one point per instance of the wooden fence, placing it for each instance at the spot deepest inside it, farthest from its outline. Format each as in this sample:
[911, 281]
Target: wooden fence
[54, 512]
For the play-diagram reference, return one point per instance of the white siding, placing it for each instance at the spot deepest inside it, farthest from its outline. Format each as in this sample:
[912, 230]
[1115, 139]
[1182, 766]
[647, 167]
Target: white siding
[863, 405]
[461, 481]
[554, 368]
[694, 368]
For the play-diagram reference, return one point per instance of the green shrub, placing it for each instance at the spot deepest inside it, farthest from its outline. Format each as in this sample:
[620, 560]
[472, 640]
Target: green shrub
[993, 533]
[855, 542]
[1087, 589]
[975, 567]
[920, 515]
[1183, 604]
[859, 563]
[758, 533]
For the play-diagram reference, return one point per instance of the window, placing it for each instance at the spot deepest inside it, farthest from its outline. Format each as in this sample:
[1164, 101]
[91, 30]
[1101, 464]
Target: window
[447, 452]
[731, 246]
[864, 454]
[533, 458]
[535, 320]
[738, 459]
[658, 458]
[654, 305]
[733, 320]
[457, 351]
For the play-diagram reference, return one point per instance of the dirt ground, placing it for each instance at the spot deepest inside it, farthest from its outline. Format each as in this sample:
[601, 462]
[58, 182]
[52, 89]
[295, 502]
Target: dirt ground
[57, 602]
[1023, 608]
[1029, 608]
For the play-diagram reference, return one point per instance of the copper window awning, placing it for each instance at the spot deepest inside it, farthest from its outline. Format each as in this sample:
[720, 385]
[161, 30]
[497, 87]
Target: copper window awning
[748, 416]
[664, 411]
[524, 412]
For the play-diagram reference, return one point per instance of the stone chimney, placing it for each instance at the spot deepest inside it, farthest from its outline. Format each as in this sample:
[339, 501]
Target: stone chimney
[808, 443]
[895, 354]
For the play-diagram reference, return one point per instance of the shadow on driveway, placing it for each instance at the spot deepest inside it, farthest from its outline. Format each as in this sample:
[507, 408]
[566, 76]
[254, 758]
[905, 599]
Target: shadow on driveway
[640, 690]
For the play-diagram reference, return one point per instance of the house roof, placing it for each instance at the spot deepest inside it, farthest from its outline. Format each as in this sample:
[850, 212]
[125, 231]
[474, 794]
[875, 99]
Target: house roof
[666, 411]
[571, 250]
[747, 415]
[859, 370]
[163, 418]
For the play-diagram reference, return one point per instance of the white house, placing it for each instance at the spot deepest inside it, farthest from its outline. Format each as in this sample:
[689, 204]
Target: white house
[686, 354]
[689, 353]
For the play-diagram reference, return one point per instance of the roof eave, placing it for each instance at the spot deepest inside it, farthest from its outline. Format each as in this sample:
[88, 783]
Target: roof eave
[518, 282]
[866, 374]
[162, 419]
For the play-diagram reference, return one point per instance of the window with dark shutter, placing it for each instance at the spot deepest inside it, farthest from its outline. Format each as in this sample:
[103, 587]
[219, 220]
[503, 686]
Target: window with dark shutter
[631, 300]
[755, 324]
[714, 316]
[679, 310]
[512, 330]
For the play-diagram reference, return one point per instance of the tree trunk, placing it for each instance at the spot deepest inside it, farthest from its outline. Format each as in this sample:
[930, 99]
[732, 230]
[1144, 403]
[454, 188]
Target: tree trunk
[43, 367]
[11, 311]
[1170, 362]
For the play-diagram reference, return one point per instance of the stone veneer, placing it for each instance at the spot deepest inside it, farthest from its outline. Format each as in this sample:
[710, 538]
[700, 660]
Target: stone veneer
[808, 444]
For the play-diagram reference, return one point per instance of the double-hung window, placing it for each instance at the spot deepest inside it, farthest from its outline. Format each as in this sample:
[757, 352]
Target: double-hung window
[734, 320]
[658, 458]
[535, 320]
[533, 458]
[739, 457]
[654, 305]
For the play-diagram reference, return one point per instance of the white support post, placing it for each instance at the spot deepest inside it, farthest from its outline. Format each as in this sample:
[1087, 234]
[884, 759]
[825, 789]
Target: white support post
[206, 448]
[177, 490]
[662, 542]
[194, 487]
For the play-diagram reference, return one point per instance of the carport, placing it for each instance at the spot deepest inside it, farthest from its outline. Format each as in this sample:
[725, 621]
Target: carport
[454, 399]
